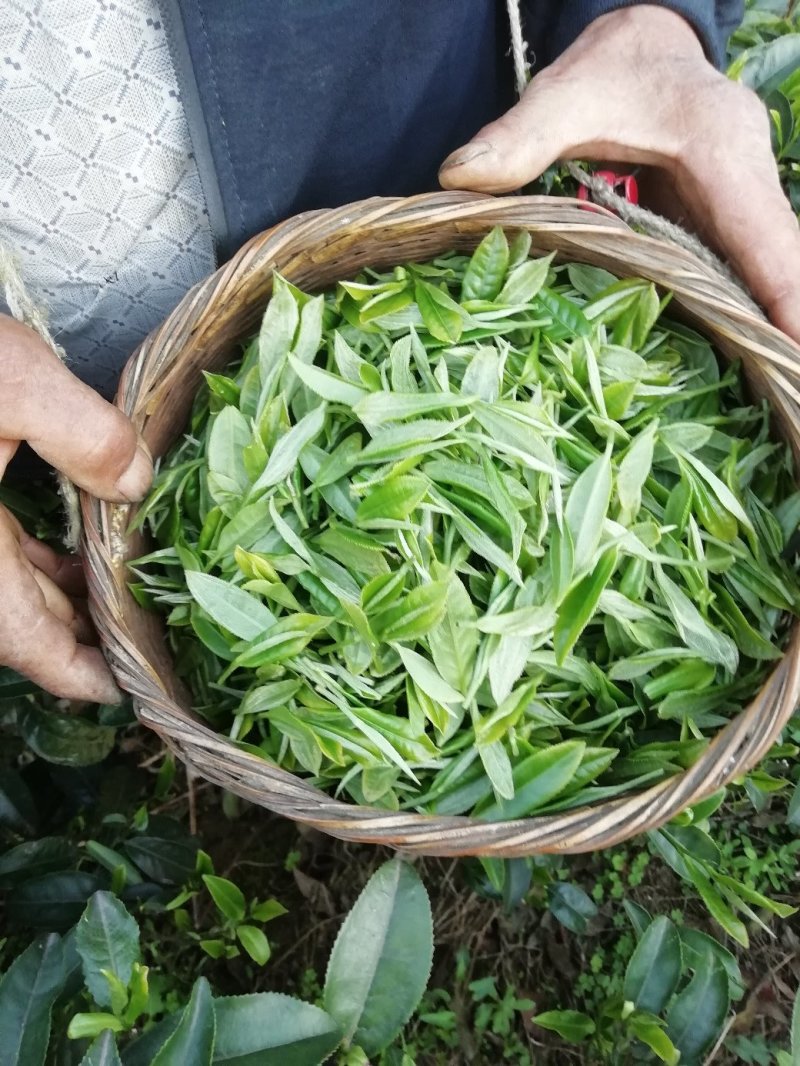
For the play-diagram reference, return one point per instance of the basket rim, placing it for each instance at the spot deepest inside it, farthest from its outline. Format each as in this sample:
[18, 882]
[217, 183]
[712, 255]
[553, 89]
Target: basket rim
[698, 291]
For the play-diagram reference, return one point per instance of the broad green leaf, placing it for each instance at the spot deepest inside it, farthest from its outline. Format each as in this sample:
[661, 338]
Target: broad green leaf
[34, 858]
[766, 66]
[230, 606]
[277, 329]
[586, 509]
[64, 738]
[413, 616]
[103, 1051]
[571, 906]
[486, 270]
[380, 407]
[107, 938]
[271, 1029]
[706, 641]
[326, 385]
[521, 622]
[654, 970]
[193, 1039]
[381, 960]
[395, 500]
[697, 946]
[538, 779]
[650, 1032]
[441, 314]
[285, 454]
[635, 469]
[17, 806]
[228, 897]
[525, 281]
[230, 434]
[497, 765]
[696, 1017]
[573, 1025]
[565, 312]
[165, 861]
[454, 641]
[427, 677]
[28, 990]
[580, 604]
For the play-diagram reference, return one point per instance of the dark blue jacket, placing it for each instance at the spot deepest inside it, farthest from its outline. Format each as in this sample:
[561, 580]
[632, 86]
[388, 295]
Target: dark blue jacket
[298, 104]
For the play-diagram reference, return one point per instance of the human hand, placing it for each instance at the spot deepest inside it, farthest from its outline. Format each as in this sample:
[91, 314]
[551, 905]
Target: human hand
[44, 625]
[635, 87]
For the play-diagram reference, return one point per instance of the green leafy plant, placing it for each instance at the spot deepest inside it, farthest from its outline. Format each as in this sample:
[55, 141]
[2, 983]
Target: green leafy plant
[378, 971]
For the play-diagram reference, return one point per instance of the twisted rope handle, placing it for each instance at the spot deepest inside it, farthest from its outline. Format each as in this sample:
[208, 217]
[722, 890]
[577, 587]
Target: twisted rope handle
[649, 222]
[25, 309]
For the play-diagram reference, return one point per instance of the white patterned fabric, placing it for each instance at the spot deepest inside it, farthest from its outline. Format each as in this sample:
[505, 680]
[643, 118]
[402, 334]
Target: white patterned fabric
[99, 192]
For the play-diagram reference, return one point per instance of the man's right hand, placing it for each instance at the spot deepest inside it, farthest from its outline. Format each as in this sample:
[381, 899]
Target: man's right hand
[44, 627]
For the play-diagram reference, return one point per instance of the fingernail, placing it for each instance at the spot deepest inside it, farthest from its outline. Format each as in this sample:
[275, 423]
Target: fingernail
[466, 155]
[135, 482]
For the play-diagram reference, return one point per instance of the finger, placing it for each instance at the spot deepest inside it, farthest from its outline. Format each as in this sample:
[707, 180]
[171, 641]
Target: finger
[65, 421]
[65, 570]
[8, 449]
[40, 645]
[735, 186]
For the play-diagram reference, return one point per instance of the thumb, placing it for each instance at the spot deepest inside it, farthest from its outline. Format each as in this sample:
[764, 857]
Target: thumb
[519, 146]
[65, 421]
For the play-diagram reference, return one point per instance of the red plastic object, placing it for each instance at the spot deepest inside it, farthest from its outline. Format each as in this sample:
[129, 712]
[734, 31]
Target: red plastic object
[624, 185]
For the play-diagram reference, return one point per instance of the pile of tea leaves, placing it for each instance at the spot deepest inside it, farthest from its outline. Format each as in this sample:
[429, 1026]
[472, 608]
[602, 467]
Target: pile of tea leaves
[482, 535]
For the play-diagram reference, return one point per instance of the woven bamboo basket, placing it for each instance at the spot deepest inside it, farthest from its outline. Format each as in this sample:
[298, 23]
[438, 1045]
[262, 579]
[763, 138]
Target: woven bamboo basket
[314, 250]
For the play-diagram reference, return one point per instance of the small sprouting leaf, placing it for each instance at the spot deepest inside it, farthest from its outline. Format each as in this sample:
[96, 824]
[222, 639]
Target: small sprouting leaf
[573, 1025]
[228, 897]
[497, 765]
[454, 641]
[565, 312]
[381, 960]
[254, 943]
[380, 407]
[654, 969]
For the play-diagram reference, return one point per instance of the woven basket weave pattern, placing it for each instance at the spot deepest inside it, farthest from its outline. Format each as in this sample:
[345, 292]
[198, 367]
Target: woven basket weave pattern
[314, 251]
